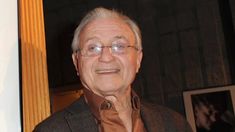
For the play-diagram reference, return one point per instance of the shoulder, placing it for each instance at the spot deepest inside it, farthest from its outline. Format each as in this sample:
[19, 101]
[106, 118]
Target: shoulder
[53, 122]
[171, 121]
[57, 122]
[160, 110]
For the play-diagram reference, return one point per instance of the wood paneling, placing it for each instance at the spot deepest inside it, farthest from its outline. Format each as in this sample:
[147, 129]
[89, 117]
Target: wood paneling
[34, 67]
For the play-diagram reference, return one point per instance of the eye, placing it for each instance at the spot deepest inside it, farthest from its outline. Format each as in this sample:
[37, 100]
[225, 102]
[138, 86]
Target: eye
[118, 47]
[94, 48]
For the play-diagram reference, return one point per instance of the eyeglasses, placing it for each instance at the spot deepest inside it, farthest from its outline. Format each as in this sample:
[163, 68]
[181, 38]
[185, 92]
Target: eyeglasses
[96, 49]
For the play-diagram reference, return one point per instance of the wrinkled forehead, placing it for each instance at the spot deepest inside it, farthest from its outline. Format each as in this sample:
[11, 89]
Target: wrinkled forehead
[107, 27]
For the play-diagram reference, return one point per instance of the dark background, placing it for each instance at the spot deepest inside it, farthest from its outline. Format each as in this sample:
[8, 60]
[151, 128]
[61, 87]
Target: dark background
[187, 44]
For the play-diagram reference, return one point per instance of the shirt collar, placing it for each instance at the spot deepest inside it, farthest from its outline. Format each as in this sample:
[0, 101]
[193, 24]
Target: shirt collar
[97, 103]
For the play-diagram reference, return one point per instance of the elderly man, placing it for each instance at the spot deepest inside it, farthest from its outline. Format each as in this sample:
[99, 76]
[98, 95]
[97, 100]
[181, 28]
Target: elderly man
[107, 53]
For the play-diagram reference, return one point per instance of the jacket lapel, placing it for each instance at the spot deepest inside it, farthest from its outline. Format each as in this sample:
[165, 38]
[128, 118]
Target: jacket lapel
[80, 118]
[159, 119]
[151, 118]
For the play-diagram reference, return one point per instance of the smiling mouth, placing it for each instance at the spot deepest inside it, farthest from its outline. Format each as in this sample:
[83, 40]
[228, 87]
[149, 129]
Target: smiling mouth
[107, 71]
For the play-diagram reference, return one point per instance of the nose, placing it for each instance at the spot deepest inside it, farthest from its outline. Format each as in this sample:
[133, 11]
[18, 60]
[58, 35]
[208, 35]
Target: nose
[106, 55]
[213, 118]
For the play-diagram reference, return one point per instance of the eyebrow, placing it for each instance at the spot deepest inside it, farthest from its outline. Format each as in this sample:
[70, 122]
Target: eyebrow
[91, 38]
[116, 37]
[120, 37]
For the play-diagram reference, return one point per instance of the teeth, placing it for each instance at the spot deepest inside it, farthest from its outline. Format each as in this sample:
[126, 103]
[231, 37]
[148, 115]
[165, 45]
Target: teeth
[103, 71]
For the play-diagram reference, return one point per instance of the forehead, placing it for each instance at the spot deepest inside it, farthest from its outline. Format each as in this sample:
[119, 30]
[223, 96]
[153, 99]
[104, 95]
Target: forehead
[106, 28]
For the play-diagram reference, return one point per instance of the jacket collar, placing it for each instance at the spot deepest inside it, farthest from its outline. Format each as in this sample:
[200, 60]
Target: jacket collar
[151, 118]
[78, 111]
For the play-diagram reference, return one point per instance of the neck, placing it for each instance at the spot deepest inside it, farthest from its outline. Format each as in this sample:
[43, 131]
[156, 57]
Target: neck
[121, 101]
[123, 106]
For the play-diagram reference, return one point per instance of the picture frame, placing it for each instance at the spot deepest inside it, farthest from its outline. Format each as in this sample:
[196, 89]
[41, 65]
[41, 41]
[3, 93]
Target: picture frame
[206, 108]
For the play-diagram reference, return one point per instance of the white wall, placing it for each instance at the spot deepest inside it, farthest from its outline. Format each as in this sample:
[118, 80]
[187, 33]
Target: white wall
[9, 68]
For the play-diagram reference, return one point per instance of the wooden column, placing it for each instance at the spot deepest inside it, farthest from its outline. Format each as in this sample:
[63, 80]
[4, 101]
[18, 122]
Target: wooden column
[34, 67]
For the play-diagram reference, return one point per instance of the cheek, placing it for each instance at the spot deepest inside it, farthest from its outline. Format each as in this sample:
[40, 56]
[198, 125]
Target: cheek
[85, 69]
[129, 66]
[132, 62]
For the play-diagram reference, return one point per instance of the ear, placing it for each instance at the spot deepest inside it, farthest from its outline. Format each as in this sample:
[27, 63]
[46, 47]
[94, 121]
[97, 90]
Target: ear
[75, 62]
[139, 60]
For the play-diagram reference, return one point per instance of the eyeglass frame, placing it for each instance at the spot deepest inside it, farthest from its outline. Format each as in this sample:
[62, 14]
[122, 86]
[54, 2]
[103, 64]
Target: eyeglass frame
[107, 46]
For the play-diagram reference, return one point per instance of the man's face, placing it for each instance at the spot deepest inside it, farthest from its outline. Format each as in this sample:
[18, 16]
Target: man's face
[108, 73]
[205, 116]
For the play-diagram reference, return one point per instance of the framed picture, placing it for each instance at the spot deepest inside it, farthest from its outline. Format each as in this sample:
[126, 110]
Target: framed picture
[211, 110]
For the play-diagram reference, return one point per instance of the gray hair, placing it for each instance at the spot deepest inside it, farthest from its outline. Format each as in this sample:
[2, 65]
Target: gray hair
[105, 13]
